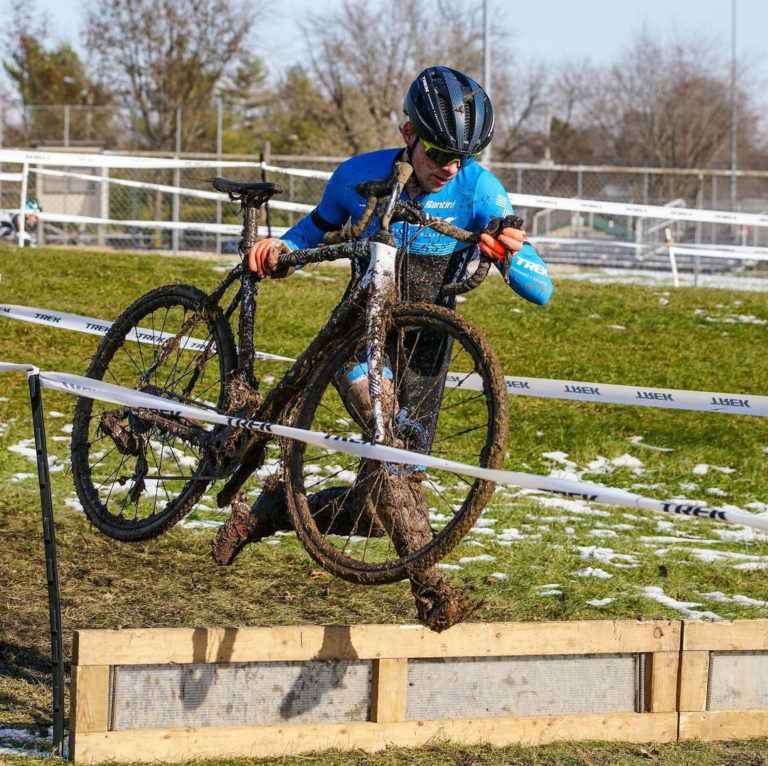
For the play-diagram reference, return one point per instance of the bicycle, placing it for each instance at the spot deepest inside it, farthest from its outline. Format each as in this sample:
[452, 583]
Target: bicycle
[138, 472]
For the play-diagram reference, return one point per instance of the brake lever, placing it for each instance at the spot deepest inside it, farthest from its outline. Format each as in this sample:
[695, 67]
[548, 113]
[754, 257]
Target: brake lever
[408, 211]
[496, 225]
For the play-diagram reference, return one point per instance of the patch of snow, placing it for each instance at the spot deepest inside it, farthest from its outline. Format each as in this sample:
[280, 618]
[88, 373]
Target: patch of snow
[482, 531]
[73, 503]
[638, 441]
[600, 601]
[701, 469]
[559, 457]
[684, 607]
[607, 556]
[718, 595]
[593, 572]
[603, 533]
[709, 556]
[579, 507]
[628, 461]
[743, 534]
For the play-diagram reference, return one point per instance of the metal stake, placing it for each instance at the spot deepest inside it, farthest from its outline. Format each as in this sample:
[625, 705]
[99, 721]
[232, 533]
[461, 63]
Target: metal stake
[51, 567]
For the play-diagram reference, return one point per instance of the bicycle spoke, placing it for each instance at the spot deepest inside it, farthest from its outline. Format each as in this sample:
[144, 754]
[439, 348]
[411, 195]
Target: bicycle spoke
[159, 460]
[425, 417]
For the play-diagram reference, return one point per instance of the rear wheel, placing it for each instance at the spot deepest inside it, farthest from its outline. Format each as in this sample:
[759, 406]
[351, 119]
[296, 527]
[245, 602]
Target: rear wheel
[371, 522]
[137, 472]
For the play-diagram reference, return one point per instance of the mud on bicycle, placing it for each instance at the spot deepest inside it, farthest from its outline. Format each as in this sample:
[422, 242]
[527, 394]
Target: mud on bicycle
[138, 472]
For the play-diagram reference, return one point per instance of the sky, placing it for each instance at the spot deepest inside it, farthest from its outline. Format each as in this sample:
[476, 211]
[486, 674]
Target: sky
[546, 30]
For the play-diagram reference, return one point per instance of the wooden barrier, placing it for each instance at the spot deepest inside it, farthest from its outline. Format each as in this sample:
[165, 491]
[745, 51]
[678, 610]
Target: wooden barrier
[176, 694]
[724, 680]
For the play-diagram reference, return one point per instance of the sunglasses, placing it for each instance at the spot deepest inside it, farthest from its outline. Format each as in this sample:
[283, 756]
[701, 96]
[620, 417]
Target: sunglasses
[443, 158]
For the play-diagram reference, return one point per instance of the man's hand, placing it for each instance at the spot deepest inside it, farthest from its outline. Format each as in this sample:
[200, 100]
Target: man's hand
[495, 248]
[262, 257]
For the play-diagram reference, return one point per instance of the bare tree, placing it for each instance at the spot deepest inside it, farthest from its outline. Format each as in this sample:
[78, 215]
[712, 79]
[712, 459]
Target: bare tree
[521, 102]
[664, 104]
[363, 74]
[162, 55]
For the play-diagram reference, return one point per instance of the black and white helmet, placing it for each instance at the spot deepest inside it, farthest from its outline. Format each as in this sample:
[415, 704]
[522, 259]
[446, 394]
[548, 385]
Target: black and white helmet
[448, 109]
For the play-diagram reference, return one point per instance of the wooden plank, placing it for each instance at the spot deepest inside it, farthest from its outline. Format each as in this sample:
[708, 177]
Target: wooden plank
[663, 682]
[721, 724]
[389, 687]
[182, 645]
[172, 746]
[740, 635]
[89, 698]
[694, 680]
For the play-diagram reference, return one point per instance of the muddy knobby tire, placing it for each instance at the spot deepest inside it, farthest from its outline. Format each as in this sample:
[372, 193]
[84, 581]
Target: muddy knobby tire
[136, 477]
[333, 499]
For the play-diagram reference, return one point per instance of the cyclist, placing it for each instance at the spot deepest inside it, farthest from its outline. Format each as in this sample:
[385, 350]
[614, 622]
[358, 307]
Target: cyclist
[11, 223]
[448, 121]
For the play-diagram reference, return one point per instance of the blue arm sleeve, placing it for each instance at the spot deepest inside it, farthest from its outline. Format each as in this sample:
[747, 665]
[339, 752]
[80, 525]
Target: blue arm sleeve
[528, 276]
[331, 210]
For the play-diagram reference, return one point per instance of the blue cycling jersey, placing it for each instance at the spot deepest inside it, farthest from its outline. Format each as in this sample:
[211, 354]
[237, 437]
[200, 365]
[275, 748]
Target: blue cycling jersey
[468, 200]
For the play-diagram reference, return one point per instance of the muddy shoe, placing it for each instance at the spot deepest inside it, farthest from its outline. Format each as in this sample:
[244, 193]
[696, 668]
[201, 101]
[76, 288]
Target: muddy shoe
[444, 614]
[440, 608]
[244, 525]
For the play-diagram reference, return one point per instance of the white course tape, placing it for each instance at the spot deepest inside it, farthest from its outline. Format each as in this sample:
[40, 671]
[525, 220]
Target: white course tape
[99, 327]
[64, 159]
[208, 228]
[608, 393]
[641, 211]
[185, 191]
[321, 174]
[93, 389]
[11, 367]
[134, 184]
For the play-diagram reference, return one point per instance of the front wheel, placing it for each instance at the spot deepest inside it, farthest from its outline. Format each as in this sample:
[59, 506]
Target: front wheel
[136, 472]
[443, 394]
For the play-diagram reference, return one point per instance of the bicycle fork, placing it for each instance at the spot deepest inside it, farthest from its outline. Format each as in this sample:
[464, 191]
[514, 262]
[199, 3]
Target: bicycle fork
[380, 281]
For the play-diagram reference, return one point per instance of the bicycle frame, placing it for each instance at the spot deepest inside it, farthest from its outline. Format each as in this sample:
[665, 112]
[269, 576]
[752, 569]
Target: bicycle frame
[370, 299]
[140, 471]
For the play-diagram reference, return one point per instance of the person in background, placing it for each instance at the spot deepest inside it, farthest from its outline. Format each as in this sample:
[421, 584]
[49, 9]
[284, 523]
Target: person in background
[11, 224]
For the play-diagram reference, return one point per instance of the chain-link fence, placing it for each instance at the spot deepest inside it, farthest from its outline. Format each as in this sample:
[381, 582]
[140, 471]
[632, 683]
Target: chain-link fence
[146, 194]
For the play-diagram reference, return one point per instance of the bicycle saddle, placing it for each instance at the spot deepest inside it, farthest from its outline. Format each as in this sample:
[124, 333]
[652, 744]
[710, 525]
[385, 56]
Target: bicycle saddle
[260, 188]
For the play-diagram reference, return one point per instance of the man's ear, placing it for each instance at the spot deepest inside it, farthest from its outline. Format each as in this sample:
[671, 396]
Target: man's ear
[408, 133]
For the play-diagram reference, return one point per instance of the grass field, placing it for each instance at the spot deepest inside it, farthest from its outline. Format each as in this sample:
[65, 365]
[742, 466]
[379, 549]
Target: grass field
[531, 557]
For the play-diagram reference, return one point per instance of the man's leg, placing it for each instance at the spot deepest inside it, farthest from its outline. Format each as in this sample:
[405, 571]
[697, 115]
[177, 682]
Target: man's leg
[248, 524]
[336, 510]
[403, 510]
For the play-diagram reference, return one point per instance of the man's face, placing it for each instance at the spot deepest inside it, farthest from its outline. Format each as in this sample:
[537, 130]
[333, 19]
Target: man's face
[430, 176]
[30, 221]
